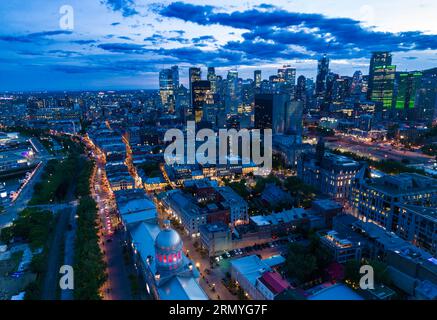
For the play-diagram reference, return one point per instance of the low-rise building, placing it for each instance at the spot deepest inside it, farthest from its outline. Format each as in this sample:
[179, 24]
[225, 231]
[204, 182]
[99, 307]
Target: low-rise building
[216, 238]
[257, 278]
[342, 248]
[329, 173]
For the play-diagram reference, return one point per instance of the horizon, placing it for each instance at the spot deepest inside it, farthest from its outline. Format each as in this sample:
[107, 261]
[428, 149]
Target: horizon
[122, 45]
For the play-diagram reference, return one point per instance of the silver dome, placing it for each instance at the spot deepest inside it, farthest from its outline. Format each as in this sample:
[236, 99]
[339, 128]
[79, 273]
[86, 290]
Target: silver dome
[168, 239]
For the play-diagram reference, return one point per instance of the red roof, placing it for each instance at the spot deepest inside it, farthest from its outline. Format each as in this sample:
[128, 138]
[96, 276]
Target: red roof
[274, 282]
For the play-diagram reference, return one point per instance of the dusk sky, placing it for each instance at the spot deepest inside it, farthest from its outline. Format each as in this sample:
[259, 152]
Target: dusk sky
[122, 44]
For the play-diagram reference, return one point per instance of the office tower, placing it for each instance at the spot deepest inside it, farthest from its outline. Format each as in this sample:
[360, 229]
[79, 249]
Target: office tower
[264, 111]
[357, 83]
[166, 89]
[212, 78]
[426, 104]
[201, 95]
[382, 85]
[279, 113]
[257, 78]
[287, 74]
[175, 74]
[233, 92]
[194, 75]
[406, 86]
[301, 89]
[293, 118]
[322, 73]
[341, 88]
[378, 60]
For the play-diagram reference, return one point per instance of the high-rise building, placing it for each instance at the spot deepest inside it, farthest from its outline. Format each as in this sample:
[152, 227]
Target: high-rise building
[194, 75]
[264, 111]
[301, 89]
[279, 113]
[378, 60]
[426, 103]
[233, 92]
[382, 85]
[322, 73]
[212, 78]
[357, 84]
[175, 75]
[166, 89]
[201, 95]
[257, 78]
[287, 74]
[407, 84]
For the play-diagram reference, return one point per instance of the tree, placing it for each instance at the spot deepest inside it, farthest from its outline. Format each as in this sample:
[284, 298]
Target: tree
[300, 263]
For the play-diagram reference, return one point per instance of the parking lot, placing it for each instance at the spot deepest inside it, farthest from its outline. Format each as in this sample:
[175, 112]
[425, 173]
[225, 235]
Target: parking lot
[265, 250]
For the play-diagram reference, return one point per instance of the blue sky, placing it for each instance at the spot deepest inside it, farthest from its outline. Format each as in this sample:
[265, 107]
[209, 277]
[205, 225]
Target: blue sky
[122, 44]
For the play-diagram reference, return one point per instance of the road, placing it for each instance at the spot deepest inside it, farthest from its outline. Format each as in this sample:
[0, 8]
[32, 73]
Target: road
[20, 203]
[118, 285]
[377, 151]
[70, 237]
[51, 276]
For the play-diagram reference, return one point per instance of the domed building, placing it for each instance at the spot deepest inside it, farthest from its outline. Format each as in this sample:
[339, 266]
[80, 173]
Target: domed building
[168, 248]
[159, 257]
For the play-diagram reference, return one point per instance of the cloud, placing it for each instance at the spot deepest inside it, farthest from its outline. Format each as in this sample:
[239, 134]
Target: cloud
[315, 33]
[126, 7]
[122, 47]
[203, 39]
[32, 37]
[83, 41]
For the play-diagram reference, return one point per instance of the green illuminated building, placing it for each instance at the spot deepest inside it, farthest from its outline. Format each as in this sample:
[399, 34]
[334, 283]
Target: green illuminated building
[407, 84]
[383, 82]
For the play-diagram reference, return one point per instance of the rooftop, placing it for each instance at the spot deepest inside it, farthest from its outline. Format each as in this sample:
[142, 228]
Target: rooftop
[336, 292]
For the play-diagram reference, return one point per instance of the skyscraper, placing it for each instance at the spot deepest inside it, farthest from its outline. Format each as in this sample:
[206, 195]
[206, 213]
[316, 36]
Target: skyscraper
[279, 113]
[407, 84]
[301, 88]
[379, 59]
[166, 89]
[233, 92]
[426, 104]
[322, 73]
[212, 78]
[175, 75]
[287, 74]
[194, 75]
[257, 78]
[382, 88]
[201, 95]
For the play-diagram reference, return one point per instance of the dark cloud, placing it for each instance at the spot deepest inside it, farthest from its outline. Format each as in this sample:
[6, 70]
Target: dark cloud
[83, 41]
[126, 7]
[32, 37]
[122, 47]
[275, 28]
[203, 39]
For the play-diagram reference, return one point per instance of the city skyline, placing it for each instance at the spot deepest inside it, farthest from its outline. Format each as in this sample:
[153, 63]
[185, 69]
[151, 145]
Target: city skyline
[123, 44]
